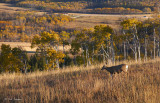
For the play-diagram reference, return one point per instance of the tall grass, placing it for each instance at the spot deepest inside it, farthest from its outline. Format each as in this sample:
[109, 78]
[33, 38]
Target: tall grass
[90, 85]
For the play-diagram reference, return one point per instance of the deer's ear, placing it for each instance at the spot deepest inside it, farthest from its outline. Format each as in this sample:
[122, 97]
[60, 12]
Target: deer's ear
[103, 67]
[105, 64]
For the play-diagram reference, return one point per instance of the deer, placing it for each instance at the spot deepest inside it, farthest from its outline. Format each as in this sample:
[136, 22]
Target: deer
[116, 69]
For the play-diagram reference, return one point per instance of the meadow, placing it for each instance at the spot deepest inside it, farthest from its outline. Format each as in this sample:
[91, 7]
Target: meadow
[84, 84]
[90, 20]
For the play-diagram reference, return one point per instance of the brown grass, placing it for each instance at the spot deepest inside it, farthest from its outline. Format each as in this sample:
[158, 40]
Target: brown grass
[91, 20]
[27, 46]
[4, 7]
[9, 8]
[78, 84]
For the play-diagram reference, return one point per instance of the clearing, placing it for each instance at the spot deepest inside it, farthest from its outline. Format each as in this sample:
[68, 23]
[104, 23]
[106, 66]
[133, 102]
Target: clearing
[91, 20]
[4, 7]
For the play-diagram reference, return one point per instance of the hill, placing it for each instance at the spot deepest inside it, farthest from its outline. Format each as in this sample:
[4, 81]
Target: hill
[90, 20]
[90, 6]
[78, 84]
[4, 7]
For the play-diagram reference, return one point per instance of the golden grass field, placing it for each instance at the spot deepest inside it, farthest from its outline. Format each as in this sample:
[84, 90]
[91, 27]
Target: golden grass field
[27, 46]
[91, 20]
[9, 8]
[84, 85]
[4, 7]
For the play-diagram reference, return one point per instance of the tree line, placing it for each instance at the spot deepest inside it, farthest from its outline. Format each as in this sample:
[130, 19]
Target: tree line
[89, 6]
[138, 40]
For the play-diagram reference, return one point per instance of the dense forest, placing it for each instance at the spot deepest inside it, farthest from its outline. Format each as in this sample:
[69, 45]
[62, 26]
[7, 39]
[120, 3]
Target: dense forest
[91, 6]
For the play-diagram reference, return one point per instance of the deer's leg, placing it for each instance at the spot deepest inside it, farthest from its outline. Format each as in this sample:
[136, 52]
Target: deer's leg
[111, 75]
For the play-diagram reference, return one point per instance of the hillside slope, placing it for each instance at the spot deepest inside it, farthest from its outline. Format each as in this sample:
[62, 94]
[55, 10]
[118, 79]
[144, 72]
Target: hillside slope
[4, 7]
[140, 85]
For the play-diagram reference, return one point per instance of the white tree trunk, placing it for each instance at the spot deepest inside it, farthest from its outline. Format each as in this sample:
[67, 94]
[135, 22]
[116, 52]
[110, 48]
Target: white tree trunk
[145, 49]
[124, 45]
[135, 52]
[158, 50]
[154, 44]
[139, 52]
[57, 60]
[83, 54]
[64, 58]
[113, 51]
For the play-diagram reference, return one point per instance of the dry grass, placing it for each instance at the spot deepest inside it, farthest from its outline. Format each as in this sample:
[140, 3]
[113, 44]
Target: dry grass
[78, 84]
[27, 46]
[4, 7]
[9, 8]
[91, 20]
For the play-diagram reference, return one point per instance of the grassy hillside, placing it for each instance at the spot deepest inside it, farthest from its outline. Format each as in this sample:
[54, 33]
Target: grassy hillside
[90, 20]
[90, 85]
